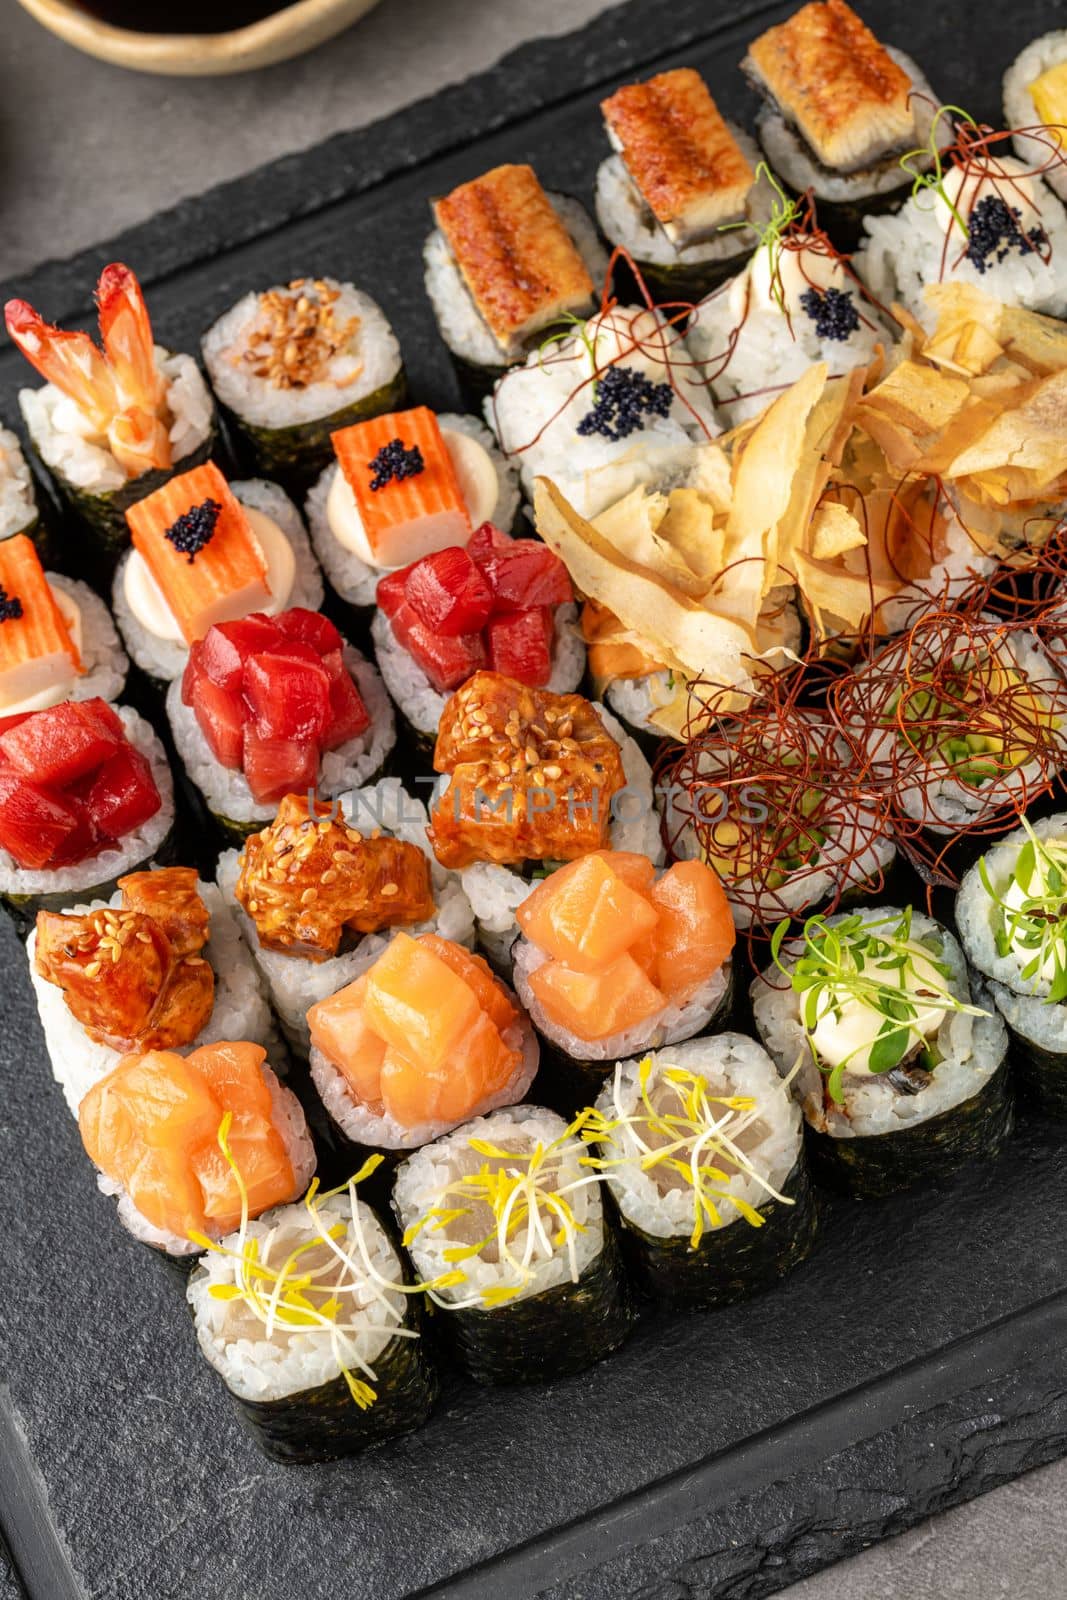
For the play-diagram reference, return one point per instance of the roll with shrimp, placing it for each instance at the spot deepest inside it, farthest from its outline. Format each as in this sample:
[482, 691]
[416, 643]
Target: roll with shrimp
[306, 1318]
[615, 959]
[702, 1148]
[898, 1060]
[322, 888]
[292, 364]
[1011, 912]
[505, 1222]
[112, 424]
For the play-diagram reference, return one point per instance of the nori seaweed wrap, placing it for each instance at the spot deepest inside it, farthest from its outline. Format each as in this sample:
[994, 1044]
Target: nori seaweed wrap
[306, 1317]
[703, 1150]
[898, 1063]
[506, 1220]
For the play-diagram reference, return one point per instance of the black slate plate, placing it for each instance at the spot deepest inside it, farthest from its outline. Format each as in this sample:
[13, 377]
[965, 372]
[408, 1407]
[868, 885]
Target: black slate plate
[921, 1355]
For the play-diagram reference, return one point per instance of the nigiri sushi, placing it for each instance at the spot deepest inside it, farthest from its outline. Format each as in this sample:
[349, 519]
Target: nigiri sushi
[207, 551]
[403, 486]
[192, 1145]
[292, 364]
[112, 423]
[423, 1039]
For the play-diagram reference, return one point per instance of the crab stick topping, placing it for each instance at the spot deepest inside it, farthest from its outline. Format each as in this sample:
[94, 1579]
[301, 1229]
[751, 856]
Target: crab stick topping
[517, 259]
[403, 481]
[198, 545]
[39, 659]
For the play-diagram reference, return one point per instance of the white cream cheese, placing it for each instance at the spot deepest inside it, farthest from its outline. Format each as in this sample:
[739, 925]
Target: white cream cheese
[847, 1026]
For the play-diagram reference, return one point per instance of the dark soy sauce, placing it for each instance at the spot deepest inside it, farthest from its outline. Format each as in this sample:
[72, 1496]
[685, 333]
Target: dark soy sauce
[183, 16]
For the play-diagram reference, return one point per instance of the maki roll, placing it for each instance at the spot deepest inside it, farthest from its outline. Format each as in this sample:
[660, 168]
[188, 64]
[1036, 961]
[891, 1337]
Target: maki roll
[206, 551]
[270, 706]
[403, 487]
[506, 1222]
[18, 498]
[702, 1147]
[292, 364]
[962, 718]
[841, 109]
[111, 425]
[190, 1145]
[57, 641]
[899, 1066]
[616, 959]
[797, 302]
[506, 604]
[533, 779]
[990, 222]
[1035, 107]
[423, 1039]
[160, 966]
[322, 888]
[680, 195]
[85, 796]
[1011, 912]
[505, 263]
[613, 403]
[305, 1316]
[773, 801]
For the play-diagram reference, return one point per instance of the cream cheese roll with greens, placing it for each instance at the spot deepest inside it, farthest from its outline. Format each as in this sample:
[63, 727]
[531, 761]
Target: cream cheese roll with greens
[900, 1067]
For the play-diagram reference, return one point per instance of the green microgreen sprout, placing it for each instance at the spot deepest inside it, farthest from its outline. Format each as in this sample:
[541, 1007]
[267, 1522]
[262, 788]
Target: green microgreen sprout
[878, 963]
[528, 1197]
[1036, 929]
[931, 173]
[784, 213]
[687, 1131]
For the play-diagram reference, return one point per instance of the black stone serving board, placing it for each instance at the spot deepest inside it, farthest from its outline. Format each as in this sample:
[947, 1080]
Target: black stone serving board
[919, 1358]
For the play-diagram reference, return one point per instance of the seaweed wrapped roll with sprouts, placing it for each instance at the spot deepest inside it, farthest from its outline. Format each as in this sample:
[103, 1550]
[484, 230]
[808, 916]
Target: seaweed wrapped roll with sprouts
[702, 1147]
[1011, 912]
[306, 1317]
[899, 1065]
[504, 1221]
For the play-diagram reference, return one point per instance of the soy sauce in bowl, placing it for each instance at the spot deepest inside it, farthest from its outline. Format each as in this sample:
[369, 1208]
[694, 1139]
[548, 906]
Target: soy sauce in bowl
[183, 16]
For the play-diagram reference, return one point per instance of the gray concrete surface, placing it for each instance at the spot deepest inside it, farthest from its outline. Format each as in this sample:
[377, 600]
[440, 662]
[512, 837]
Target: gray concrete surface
[86, 150]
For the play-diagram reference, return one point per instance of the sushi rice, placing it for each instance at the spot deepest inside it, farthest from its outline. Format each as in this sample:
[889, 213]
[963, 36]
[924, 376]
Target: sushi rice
[18, 500]
[240, 1010]
[1042, 54]
[100, 648]
[165, 659]
[295, 983]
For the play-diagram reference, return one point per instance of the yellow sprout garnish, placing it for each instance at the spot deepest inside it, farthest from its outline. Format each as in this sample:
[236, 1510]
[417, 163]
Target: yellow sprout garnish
[527, 1201]
[690, 1137]
[295, 1298]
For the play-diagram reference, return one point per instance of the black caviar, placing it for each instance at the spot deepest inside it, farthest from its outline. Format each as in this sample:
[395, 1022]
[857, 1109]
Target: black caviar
[624, 398]
[832, 311]
[10, 606]
[195, 528]
[395, 462]
[994, 232]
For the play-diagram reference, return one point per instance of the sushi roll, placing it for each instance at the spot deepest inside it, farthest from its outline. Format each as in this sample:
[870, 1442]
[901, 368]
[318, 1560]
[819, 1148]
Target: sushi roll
[161, 966]
[57, 641]
[271, 706]
[990, 221]
[616, 959]
[505, 1218]
[899, 1064]
[505, 604]
[840, 111]
[19, 512]
[1035, 107]
[773, 801]
[422, 1040]
[206, 551]
[85, 797]
[798, 301]
[306, 1318]
[702, 1148]
[350, 873]
[506, 263]
[681, 193]
[533, 779]
[616, 402]
[963, 719]
[113, 424]
[402, 487]
[191, 1145]
[1010, 912]
[292, 364]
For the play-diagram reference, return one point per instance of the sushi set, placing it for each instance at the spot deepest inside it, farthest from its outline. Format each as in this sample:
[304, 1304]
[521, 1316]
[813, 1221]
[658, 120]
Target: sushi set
[533, 734]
